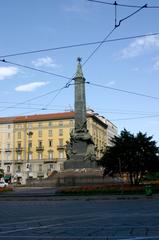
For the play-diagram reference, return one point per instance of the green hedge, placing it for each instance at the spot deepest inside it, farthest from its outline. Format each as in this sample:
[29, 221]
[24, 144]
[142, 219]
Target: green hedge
[106, 189]
[6, 189]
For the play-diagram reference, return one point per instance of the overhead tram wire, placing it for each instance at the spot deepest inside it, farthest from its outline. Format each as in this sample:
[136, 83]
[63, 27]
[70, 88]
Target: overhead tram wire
[101, 43]
[135, 118]
[78, 45]
[110, 33]
[130, 15]
[32, 68]
[34, 98]
[122, 5]
[124, 91]
[89, 57]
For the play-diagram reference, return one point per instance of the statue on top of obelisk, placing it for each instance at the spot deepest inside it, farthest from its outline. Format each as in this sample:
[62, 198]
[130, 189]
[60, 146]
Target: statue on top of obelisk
[80, 150]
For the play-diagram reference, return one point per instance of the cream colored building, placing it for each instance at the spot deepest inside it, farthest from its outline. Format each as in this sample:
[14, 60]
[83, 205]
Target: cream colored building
[34, 146]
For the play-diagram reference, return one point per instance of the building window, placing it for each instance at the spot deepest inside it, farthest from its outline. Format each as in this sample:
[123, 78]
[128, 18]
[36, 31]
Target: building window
[61, 154]
[8, 156]
[60, 132]
[8, 126]
[60, 141]
[40, 167]
[19, 135]
[31, 168]
[61, 123]
[19, 145]
[40, 144]
[50, 143]
[71, 122]
[50, 133]
[50, 124]
[18, 156]
[8, 169]
[40, 124]
[19, 168]
[50, 155]
[8, 135]
[51, 166]
[40, 156]
[8, 146]
[40, 133]
[30, 156]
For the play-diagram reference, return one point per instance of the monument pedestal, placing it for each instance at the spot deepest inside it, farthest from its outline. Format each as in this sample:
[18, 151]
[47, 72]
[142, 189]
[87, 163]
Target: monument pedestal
[82, 177]
[79, 164]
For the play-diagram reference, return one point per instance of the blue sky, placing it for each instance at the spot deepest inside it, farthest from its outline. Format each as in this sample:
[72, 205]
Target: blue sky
[131, 65]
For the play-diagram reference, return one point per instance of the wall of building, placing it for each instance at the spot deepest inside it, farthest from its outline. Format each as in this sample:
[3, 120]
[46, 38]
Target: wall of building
[38, 146]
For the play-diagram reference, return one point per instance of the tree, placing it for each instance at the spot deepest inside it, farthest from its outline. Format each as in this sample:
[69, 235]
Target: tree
[135, 155]
[1, 173]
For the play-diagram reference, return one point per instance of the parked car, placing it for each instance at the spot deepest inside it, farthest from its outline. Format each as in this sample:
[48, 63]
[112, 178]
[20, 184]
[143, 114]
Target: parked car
[3, 184]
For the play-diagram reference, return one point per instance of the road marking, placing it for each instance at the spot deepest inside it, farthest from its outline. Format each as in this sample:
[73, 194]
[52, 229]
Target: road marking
[45, 226]
[44, 219]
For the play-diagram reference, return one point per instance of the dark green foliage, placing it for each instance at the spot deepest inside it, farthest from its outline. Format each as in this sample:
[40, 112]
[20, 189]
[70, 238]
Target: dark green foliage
[1, 173]
[135, 155]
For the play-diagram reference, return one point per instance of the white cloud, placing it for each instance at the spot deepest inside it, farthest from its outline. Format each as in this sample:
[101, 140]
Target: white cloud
[30, 86]
[45, 62]
[139, 46]
[6, 72]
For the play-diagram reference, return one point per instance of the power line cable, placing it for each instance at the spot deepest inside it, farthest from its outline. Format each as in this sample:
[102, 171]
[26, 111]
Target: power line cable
[130, 15]
[122, 90]
[78, 45]
[122, 5]
[31, 99]
[89, 57]
[135, 118]
[101, 43]
[32, 68]
[110, 33]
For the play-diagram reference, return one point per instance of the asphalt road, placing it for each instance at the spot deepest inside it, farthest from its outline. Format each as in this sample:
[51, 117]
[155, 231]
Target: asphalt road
[80, 219]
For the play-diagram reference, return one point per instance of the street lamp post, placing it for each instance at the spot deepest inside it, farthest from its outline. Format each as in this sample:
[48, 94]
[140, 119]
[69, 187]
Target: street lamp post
[28, 149]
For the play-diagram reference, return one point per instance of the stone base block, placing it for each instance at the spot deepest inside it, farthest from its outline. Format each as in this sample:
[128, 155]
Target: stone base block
[80, 177]
[80, 164]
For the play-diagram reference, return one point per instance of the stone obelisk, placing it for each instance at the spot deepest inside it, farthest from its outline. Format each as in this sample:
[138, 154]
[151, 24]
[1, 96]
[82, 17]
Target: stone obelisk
[80, 150]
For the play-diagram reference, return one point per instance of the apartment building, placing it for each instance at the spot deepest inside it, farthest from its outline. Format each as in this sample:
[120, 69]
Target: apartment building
[34, 146]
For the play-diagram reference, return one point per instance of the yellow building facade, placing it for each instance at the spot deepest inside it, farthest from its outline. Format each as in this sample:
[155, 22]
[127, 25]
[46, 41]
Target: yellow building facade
[34, 146]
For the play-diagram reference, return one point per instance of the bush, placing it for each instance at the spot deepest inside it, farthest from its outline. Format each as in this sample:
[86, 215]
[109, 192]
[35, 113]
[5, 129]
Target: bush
[6, 189]
[104, 189]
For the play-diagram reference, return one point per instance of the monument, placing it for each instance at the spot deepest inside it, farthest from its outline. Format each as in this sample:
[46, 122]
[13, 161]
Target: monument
[80, 150]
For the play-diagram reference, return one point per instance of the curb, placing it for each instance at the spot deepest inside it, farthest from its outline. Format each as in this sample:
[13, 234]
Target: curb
[53, 197]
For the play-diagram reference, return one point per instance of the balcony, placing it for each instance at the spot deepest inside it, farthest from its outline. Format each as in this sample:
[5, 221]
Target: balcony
[40, 174]
[60, 147]
[19, 161]
[40, 148]
[8, 150]
[19, 149]
[7, 162]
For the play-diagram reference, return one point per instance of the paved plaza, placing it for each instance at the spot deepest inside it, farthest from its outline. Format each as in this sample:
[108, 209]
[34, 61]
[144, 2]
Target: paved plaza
[80, 219]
